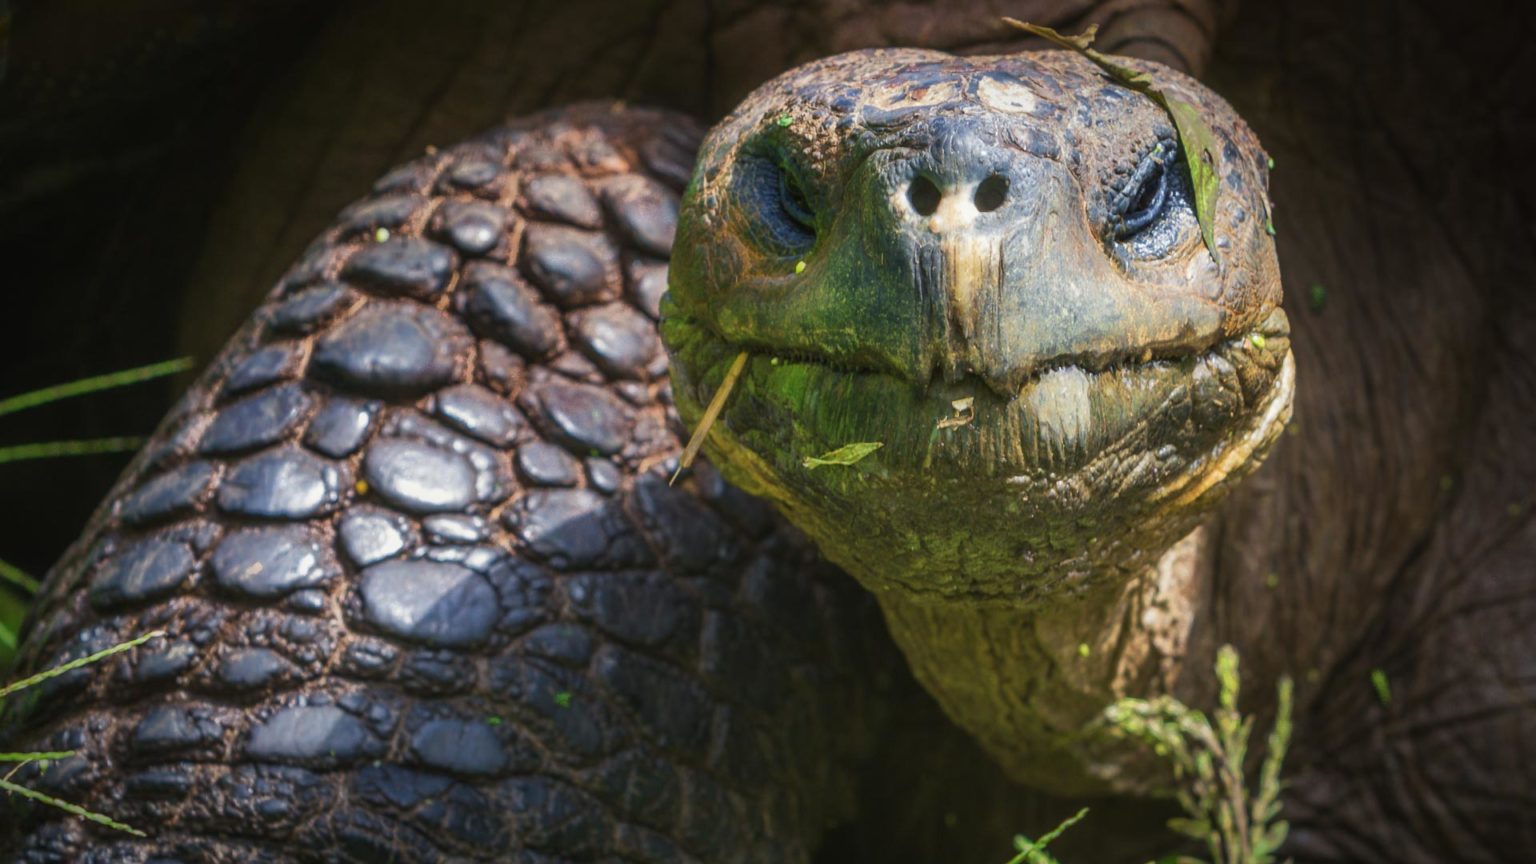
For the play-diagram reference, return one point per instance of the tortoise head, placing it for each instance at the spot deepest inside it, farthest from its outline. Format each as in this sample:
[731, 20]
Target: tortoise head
[991, 267]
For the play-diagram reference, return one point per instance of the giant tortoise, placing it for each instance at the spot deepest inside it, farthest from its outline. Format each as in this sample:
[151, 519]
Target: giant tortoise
[430, 592]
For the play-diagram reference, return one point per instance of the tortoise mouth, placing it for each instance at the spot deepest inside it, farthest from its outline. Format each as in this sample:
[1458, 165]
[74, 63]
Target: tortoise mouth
[1161, 408]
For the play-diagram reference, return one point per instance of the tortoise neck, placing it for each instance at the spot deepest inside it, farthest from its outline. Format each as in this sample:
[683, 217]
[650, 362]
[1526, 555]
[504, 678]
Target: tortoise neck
[1028, 682]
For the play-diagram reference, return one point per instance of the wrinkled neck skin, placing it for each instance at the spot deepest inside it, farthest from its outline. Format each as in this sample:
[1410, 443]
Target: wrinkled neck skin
[1026, 651]
[1029, 680]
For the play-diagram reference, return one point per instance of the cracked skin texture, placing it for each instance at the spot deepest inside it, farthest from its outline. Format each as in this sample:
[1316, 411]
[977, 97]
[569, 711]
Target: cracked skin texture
[1351, 801]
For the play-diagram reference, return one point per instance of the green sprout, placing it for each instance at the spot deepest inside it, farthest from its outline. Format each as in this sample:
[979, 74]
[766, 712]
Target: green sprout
[1033, 851]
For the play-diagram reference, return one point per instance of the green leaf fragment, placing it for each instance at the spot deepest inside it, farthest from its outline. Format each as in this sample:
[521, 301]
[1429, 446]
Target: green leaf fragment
[563, 698]
[1269, 225]
[799, 267]
[1382, 686]
[1201, 152]
[1258, 340]
[847, 454]
[381, 235]
[493, 720]
[1199, 829]
[1317, 295]
[784, 120]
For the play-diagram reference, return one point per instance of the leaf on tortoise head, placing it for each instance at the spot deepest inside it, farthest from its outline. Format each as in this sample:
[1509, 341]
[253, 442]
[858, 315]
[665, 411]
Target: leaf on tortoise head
[1201, 152]
[844, 455]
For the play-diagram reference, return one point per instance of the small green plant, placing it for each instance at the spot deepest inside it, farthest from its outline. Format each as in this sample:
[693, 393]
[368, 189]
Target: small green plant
[1238, 825]
[20, 760]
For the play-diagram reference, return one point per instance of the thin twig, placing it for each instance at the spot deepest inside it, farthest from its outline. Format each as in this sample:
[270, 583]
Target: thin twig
[701, 431]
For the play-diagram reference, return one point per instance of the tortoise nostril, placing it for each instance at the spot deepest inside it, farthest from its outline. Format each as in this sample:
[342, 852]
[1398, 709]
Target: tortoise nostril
[991, 192]
[924, 196]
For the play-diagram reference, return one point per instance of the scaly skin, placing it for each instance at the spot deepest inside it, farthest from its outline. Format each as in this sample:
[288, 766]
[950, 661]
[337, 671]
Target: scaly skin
[427, 593]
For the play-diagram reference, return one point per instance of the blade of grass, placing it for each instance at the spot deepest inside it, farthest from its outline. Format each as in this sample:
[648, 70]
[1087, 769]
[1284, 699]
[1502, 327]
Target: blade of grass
[67, 807]
[16, 576]
[56, 449]
[93, 384]
[13, 610]
[76, 664]
[33, 757]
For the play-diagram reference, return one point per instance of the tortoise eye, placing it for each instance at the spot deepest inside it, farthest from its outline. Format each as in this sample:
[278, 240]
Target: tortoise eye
[1145, 195]
[792, 199]
[769, 191]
